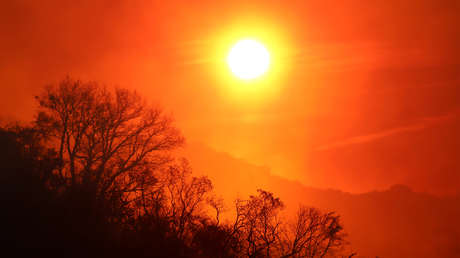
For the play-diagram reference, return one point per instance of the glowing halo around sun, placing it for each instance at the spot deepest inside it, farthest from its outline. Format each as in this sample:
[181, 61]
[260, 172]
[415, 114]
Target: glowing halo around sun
[248, 59]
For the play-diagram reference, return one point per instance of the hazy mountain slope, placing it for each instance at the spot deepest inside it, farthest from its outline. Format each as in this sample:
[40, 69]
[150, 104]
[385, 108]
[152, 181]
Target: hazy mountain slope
[393, 223]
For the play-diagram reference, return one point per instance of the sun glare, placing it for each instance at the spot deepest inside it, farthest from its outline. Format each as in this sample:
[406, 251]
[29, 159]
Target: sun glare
[248, 59]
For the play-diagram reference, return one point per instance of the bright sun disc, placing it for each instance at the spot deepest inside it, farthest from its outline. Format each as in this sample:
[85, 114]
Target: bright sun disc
[248, 59]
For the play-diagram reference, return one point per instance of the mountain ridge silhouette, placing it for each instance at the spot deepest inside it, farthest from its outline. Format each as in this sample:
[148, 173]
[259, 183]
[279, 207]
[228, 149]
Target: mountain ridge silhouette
[386, 223]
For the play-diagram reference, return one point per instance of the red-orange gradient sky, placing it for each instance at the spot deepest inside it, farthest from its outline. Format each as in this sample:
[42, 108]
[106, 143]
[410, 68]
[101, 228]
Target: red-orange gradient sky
[366, 93]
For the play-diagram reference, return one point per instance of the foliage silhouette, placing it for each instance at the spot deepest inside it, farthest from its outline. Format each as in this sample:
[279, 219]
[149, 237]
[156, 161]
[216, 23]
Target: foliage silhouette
[95, 171]
[109, 140]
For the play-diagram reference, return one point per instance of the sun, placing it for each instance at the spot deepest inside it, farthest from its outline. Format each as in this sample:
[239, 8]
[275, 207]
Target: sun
[248, 59]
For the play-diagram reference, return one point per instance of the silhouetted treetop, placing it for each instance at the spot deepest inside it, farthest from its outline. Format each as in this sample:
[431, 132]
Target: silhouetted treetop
[106, 140]
[96, 171]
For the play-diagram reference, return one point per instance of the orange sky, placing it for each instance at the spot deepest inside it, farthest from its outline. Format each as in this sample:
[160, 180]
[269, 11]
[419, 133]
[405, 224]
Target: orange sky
[366, 93]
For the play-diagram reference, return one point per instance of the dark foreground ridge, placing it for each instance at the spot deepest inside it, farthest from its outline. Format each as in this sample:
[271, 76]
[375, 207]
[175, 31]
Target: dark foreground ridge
[94, 172]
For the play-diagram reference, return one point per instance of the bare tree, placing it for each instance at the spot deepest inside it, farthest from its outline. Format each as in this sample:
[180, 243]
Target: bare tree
[218, 205]
[116, 148]
[186, 195]
[179, 198]
[258, 223]
[108, 141]
[313, 234]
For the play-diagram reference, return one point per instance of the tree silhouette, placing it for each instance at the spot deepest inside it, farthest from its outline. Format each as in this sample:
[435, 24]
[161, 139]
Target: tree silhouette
[96, 171]
[109, 142]
[35, 216]
[179, 198]
[257, 224]
[312, 234]
[262, 232]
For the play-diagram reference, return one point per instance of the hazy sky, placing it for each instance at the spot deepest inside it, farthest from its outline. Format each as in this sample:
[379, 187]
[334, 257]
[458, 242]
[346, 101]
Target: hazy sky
[366, 93]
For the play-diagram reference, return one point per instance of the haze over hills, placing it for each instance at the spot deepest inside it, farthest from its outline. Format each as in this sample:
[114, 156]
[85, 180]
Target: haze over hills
[396, 222]
[357, 112]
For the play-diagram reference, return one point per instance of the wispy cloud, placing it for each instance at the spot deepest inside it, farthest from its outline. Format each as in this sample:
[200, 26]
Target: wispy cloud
[425, 122]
